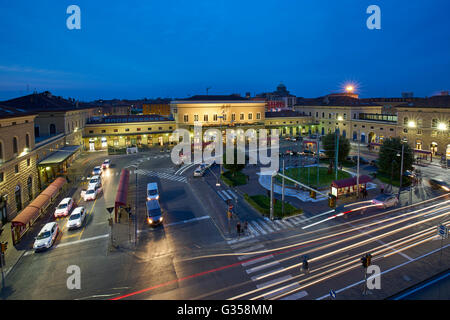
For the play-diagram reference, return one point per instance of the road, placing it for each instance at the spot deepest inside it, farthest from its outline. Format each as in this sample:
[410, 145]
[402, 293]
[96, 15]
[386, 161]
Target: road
[194, 255]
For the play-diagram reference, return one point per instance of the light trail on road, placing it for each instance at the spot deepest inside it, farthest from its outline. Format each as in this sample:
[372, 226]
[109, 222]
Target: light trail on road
[303, 244]
[353, 263]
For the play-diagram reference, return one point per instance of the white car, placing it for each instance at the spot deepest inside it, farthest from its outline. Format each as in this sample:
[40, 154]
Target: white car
[64, 207]
[92, 192]
[385, 200]
[97, 171]
[106, 164]
[46, 236]
[95, 181]
[77, 218]
[201, 169]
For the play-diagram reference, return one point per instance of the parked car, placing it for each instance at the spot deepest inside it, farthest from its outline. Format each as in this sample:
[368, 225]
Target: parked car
[46, 237]
[64, 207]
[385, 200]
[106, 164]
[439, 184]
[97, 171]
[154, 213]
[77, 218]
[92, 192]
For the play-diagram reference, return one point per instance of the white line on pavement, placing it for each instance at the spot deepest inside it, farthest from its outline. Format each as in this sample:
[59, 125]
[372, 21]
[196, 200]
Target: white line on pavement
[387, 271]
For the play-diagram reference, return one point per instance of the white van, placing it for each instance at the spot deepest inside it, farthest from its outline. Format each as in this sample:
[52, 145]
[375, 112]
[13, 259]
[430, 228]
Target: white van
[152, 191]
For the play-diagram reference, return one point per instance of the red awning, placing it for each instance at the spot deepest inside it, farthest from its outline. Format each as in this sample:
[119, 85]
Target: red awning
[122, 191]
[32, 211]
[349, 182]
[27, 214]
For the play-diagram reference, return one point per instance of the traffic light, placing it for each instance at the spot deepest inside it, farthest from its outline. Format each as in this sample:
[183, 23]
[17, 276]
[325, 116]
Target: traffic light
[369, 259]
[4, 246]
[332, 201]
[312, 194]
[364, 261]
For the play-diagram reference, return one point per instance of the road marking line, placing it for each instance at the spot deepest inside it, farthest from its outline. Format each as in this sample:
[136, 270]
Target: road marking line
[263, 224]
[249, 263]
[254, 224]
[264, 266]
[296, 296]
[252, 230]
[253, 248]
[268, 283]
[280, 223]
[282, 290]
[387, 271]
[242, 244]
[275, 226]
[289, 223]
[263, 275]
[220, 195]
[233, 194]
[81, 241]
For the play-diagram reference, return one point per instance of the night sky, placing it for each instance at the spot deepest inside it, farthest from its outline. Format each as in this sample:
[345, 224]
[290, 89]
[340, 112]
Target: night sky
[136, 49]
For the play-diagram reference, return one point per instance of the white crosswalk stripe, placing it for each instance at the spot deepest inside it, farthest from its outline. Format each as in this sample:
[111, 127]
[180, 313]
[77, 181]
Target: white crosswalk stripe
[288, 223]
[265, 270]
[254, 224]
[161, 175]
[281, 224]
[265, 225]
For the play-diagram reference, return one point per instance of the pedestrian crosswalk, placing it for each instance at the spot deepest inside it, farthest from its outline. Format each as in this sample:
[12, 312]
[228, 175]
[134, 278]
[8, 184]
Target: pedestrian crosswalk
[161, 174]
[270, 278]
[260, 227]
[227, 195]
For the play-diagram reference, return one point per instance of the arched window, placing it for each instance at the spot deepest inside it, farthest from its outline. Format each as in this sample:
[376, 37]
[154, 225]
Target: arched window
[27, 141]
[405, 121]
[30, 188]
[434, 123]
[15, 146]
[52, 128]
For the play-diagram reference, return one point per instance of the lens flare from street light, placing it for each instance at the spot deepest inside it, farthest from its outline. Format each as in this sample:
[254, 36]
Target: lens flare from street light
[349, 88]
[442, 126]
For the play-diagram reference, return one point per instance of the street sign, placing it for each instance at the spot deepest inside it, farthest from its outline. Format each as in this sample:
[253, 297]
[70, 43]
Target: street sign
[442, 231]
[333, 294]
[110, 209]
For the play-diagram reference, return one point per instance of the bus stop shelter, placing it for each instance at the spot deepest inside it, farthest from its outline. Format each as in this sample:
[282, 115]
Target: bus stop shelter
[349, 185]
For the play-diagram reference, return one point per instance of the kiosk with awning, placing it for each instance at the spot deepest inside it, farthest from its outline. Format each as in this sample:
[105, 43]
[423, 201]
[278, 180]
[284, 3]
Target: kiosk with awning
[25, 219]
[348, 186]
[122, 193]
[57, 162]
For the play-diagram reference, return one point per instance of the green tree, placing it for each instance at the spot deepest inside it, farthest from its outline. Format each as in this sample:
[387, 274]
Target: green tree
[389, 157]
[329, 145]
[233, 167]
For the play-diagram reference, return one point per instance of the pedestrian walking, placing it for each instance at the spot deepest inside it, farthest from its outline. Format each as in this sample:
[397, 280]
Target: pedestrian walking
[382, 188]
[238, 228]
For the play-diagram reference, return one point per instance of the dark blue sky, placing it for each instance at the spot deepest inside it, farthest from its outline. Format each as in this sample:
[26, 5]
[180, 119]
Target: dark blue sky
[136, 49]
